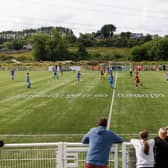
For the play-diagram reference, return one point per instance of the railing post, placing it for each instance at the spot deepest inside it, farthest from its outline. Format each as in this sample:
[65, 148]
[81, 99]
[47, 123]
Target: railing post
[59, 160]
[64, 154]
[124, 155]
[132, 158]
[116, 156]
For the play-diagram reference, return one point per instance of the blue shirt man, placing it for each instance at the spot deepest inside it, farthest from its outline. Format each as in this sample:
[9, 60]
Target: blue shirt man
[100, 141]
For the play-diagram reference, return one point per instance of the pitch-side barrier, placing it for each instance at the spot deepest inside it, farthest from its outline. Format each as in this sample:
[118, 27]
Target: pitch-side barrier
[60, 155]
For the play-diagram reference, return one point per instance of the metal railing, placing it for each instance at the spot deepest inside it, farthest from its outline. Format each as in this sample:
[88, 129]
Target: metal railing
[34, 155]
[50, 155]
[128, 156]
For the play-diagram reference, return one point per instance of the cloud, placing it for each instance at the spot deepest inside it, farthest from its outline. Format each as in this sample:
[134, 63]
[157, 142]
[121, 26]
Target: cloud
[86, 15]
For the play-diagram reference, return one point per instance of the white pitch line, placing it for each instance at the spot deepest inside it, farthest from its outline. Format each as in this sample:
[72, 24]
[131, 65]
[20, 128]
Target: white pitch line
[112, 101]
[61, 135]
[38, 135]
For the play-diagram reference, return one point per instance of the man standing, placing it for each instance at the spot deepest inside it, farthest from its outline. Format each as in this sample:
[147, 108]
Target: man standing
[167, 134]
[161, 149]
[100, 141]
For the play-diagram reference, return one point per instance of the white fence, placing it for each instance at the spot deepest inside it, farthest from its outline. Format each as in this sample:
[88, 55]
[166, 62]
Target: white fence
[128, 156]
[56, 155]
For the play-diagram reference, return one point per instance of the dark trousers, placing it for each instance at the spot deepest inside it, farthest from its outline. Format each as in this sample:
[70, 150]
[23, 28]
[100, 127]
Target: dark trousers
[87, 165]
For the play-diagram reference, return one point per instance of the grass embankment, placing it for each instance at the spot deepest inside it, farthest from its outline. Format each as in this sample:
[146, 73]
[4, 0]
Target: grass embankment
[103, 52]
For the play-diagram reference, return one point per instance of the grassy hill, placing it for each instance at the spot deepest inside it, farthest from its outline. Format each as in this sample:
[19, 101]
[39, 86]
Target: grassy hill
[103, 52]
[108, 52]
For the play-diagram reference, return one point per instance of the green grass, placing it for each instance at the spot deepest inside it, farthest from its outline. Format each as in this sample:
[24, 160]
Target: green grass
[65, 107]
[109, 50]
[23, 56]
[133, 114]
[104, 51]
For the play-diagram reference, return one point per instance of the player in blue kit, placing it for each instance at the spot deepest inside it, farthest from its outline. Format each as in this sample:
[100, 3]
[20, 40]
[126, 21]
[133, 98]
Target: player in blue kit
[111, 81]
[55, 73]
[78, 76]
[28, 80]
[12, 74]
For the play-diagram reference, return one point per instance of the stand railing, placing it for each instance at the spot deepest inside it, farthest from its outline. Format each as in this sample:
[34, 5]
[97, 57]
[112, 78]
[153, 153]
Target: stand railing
[57, 155]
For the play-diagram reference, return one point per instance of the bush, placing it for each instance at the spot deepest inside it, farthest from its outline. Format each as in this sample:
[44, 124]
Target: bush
[24, 58]
[5, 57]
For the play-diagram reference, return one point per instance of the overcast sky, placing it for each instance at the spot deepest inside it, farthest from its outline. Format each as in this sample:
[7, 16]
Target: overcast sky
[146, 16]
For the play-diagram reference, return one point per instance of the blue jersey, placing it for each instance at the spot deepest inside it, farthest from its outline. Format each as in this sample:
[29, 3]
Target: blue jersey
[12, 72]
[110, 79]
[78, 75]
[27, 79]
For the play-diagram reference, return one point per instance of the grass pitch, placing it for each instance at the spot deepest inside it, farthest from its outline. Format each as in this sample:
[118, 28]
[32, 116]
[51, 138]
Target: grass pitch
[63, 110]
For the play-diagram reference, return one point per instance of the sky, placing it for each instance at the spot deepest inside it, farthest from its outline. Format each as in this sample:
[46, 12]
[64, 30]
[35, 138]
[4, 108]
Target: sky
[86, 16]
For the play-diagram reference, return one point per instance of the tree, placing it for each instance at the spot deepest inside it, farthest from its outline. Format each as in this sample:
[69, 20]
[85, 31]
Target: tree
[86, 39]
[50, 47]
[156, 49]
[141, 53]
[125, 35]
[62, 49]
[14, 44]
[39, 50]
[82, 52]
[161, 49]
[137, 53]
[107, 30]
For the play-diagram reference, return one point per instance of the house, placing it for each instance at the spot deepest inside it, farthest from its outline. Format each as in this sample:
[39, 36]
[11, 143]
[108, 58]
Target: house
[28, 46]
[136, 35]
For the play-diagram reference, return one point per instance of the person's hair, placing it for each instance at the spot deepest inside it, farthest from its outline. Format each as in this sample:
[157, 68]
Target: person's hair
[167, 131]
[144, 136]
[162, 133]
[102, 122]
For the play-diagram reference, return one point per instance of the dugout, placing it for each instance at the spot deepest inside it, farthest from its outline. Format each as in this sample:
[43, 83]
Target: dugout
[117, 68]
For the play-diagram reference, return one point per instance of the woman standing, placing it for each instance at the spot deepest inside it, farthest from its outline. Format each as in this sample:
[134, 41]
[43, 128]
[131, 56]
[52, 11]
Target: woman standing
[144, 150]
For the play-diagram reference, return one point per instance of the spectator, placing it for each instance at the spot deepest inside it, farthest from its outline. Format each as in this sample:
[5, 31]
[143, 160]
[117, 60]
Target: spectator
[1, 143]
[144, 150]
[161, 149]
[100, 141]
[167, 133]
